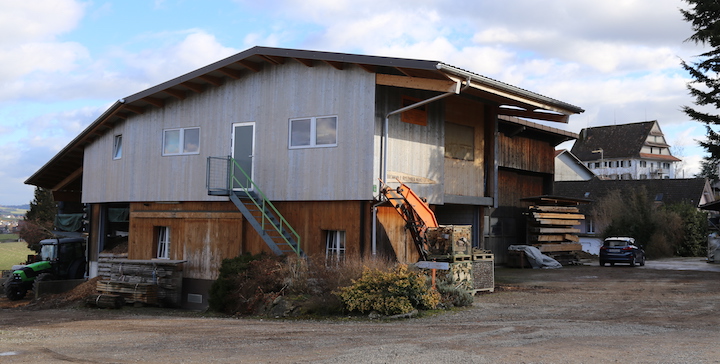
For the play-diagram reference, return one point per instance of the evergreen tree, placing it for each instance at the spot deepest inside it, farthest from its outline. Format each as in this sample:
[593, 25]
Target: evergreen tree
[39, 220]
[704, 16]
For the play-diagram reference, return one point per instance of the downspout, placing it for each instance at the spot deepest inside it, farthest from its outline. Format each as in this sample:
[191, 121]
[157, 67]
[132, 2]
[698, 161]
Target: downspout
[383, 147]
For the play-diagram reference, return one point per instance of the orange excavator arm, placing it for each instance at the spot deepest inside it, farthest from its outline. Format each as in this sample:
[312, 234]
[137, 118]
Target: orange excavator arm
[415, 211]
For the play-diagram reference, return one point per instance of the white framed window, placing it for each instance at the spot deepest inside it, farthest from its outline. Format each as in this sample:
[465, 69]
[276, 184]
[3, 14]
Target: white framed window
[313, 132]
[334, 246]
[163, 242]
[181, 141]
[117, 147]
[590, 225]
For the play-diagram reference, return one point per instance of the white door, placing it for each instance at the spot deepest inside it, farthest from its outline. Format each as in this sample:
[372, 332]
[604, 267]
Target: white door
[243, 149]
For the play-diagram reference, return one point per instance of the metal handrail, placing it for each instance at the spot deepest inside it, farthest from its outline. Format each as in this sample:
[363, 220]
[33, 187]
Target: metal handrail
[284, 225]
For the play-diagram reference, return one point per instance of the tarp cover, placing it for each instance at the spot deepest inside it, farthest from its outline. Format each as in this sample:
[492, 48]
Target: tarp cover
[536, 258]
[118, 214]
[68, 222]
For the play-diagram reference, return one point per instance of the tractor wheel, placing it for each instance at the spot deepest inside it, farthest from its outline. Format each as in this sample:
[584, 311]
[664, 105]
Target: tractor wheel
[14, 292]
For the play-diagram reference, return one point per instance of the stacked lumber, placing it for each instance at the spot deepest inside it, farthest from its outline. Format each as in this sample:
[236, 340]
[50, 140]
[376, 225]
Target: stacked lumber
[152, 282]
[551, 229]
[144, 293]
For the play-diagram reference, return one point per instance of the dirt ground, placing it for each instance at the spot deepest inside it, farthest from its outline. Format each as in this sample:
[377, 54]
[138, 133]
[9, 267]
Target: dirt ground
[577, 314]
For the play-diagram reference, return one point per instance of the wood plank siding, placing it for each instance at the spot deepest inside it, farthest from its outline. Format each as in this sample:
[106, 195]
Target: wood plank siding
[526, 154]
[344, 172]
[205, 233]
[415, 152]
[466, 177]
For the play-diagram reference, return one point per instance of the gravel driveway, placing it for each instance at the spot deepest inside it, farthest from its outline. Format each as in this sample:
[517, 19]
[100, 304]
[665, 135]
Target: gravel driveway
[577, 314]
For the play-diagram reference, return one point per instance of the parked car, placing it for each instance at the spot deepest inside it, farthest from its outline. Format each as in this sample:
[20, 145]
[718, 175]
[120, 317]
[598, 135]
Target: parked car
[621, 250]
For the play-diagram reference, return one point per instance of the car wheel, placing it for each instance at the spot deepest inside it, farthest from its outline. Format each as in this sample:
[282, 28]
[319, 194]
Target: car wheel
[602, 264]
[632, 261]
[642, 262]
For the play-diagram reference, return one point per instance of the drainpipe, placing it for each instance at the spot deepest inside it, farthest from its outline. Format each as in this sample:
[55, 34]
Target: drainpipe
[383, 146]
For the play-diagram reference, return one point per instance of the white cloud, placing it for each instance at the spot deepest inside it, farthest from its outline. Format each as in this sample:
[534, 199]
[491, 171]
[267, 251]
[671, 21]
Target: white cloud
[29, 43]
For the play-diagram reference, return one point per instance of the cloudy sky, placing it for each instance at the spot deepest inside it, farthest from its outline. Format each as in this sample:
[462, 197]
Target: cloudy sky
[63, 62]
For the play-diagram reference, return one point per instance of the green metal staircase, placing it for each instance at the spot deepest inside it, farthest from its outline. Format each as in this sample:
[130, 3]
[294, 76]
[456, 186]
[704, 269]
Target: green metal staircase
[225, 177]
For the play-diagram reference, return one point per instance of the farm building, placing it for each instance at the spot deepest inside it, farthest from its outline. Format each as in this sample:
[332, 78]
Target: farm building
[312, 133]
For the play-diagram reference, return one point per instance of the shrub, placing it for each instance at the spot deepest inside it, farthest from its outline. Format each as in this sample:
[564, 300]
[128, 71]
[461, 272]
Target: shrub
[389, 292]
[452, 295]
[220, 297]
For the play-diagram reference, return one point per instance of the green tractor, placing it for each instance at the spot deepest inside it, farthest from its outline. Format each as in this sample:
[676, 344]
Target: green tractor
[60, 259]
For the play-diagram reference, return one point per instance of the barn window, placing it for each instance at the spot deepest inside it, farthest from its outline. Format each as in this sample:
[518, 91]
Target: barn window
[162, 234]
[334, 246]
[313, 132]
[117, 147]
[416, 115]
[459, 142]
[181, 141]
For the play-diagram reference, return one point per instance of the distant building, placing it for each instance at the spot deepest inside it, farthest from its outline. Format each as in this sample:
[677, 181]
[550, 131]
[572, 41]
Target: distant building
[570, 168]
[627, 151]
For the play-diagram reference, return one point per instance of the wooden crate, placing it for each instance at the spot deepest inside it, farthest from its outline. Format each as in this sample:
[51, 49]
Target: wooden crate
[450, 240]
[483, 272]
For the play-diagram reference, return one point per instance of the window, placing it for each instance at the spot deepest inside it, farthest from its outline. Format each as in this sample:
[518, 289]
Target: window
[622, 163]
[643, 164]
[597, 164]
[313, 132]
[590, 225]
[117, 147]
[459, 142]
[181, 141]
[334, 246]
[163, 242]
[629, 163]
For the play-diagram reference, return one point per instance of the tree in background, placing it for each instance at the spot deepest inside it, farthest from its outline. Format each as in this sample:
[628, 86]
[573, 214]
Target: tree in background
[663, 231]
[704, 16]
[38, 222]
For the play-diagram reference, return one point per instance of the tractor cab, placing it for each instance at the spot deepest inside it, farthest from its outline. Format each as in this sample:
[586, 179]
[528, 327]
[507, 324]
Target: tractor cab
[60, 259]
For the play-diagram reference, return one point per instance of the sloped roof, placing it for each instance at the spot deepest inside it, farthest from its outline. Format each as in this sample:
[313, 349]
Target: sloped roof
[516, 126]
[616, 141]
[65, 168]
[667, 191]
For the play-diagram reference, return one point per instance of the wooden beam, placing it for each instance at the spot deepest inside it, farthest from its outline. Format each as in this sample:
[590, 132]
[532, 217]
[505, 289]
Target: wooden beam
[232, 73]
[568, 247]
[255, 67]
[178, 94]
[71, 177]
[196, 87]
[306, 62]
[216, 81]
[154, 101]
[535, 115]
[273, 59]
[416, 83]
[557, 215]
[187, 215]
[135, 109]
[336, 65]
[367, 67]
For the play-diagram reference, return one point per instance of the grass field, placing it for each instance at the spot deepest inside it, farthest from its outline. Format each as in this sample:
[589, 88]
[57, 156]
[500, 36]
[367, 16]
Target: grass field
[13, 253]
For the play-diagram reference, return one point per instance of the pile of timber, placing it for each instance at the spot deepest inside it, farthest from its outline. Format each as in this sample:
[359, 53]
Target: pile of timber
[149, 282]
[550, 229]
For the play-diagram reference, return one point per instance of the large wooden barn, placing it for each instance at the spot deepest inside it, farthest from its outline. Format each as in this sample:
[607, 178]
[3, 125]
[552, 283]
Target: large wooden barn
[314, 131]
